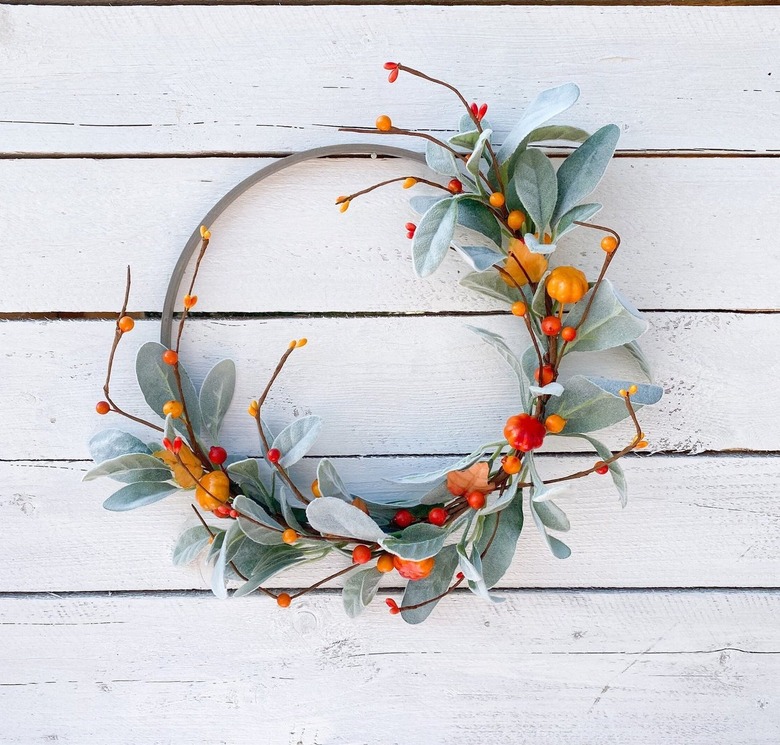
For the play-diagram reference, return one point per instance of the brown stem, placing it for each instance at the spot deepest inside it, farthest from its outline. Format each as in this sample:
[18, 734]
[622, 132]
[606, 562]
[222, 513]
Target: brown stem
[418, 179]
[506, 275]
[323, 581]
[187, 423]
[203, 246]
[406, 133]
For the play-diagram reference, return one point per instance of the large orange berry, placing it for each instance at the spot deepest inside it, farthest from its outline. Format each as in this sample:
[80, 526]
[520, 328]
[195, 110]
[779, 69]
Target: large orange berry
[524, 432]
[385, 564]
[384, 123]
[568, 333]
[187, 475]
[515, 219]
[102, 407]
[173, 408]
[609, 243]
[125, 324]
[497, 200]
[414, 570]
[551, 325]
[361, 554]
[213, 490]
[535, 265]
[555, 423]
[437, 516]
[511, 464]
[566, 284]
[289, 536]
[170, 357]
[546, 376]
[476, 500]
[283, 600]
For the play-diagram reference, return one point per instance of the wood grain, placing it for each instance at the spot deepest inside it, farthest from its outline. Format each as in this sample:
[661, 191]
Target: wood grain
[686, 525]
[549, 667]
[269, 79]
[86, 219]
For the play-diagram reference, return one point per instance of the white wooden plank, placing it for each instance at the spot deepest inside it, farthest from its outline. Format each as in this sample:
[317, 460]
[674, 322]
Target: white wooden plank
[686, 525]
[543, 667]
[390, 385]
[264, 79]
[88, 218]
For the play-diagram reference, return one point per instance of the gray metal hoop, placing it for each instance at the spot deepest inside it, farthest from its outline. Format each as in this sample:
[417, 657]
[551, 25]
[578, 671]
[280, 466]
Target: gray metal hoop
[291, 160]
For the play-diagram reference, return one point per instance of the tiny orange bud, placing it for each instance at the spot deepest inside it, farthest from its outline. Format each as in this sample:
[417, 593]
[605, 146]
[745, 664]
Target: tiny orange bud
[190, 300]
[292, 344]
[632, 389]
[641, 444]
[289, 536]
[302, 342]
[283, 600]
[315, 488]
[409, 183]
[497, 200]
[609, 243]
[623, 392]
[205, 233]
[344, 206]
[519, 308]
[125, 324]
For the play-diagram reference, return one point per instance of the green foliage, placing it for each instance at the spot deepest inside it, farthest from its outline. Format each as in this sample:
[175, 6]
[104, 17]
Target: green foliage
[440, 159]
[111, 443]
[138, 495]
[433, 236]
[246, 473]
[190, 544]
[437, 582]
[332, 516]
[475, 159]
[476, 216]
[329, 481]
[615, 469]
[536, 186]
[216, 393]
[256, 523]
[296, 439]
[490, 283]
[131, 468]
[465, 462]
[580, 213]
[359, 590]
[501, 550]
[498, 343]
[275, 559]
[417, 542]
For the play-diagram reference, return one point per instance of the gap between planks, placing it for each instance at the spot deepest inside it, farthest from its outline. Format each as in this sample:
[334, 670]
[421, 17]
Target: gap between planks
[444, 3]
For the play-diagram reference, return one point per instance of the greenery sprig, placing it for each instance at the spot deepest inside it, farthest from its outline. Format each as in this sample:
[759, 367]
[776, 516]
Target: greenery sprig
[502, 209]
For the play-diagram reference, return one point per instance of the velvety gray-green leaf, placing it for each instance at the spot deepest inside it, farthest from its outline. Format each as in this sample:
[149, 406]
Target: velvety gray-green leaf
[501, 551]
[189, 544]
[216, 393]
[636, 352]
[359, 590]
[332, 516]
[490, 283]
[329, 481]
[474, 215]
[556, 132]
[615, 469]
[296, 439]
[111, 443]
[437, 582]
[581, 213]
[138, 495]
[417, 542]
[475, 159]
[218, 586]
[440, 159]
[536, 186]
[122, 465]
[480, 258]
[498, 343]
[465, 462]
[433, 236]
[552, 516]
[273, 561]
[251, 509]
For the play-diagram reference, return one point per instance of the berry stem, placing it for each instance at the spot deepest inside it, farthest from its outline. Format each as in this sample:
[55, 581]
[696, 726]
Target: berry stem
[203, 246]
[419, 180]
[406, 133]
[324, 580]
[190, 431]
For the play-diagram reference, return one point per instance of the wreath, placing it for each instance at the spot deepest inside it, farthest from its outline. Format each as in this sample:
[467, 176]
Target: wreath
[503, 210]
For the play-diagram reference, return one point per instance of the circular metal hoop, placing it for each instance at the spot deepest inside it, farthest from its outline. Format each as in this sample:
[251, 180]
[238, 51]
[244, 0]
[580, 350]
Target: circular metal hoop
[208, 219]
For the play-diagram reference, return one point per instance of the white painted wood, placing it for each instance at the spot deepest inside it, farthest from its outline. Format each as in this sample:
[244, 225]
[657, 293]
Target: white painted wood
[391, 385]
[544, 667]
[87, 219]
[265, 79]
[686, 525]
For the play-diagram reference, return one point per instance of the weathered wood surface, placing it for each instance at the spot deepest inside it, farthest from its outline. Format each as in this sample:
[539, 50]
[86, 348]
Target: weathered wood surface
[284, 247]
[546, 667]
[270, 79]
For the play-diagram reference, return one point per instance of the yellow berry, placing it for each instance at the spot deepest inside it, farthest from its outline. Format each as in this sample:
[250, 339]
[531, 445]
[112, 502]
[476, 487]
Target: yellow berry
[205, 233]
[384, 563]
[253, 409]
[497, 200]
[125, 324]
[623, 392]
[315, 488]
[344, 206]
[554, 423]
[632, 390]
[409, 183]
[289, 536]
[641, 444]
[515, 219]
[173, 408]
[284, 600]
[519, 308]
[384, 123]
[301, 342]
[609, 243]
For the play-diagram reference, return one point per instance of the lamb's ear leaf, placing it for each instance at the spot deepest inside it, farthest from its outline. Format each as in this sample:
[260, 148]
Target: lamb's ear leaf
[433, 236]
[218, 586]
[615, 469]
[536, 186]
[359, 590]
[440, 159]
[332, 516]
[189, 544]
[636, 352]
[296, 439]
[417, 542]
[433, 585]
[552, 132]
[111, 443]
[216, 393]
[330, 483]
[475, 159]
[489, 283]
[502, 547]
[474, 215]
[498, 343]
[581, 213]
[274, 560]
[138, 495]
[122, 468]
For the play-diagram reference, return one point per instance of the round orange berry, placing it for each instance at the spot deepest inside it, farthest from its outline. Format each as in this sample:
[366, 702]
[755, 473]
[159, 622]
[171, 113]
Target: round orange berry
[384, 123]
[551, 326]
[102, 407]
[497, 200]
[361, 554]
[289, 536]
[546, 375]
[385, 564]
[125, 324]
[511, 464]
[515, 219]
[284, 600]
[476, 500]
[568, 333]
[409, 182]
[554, 423]
[173, 408]
[519, 308]
[609, 243]
[170, 357]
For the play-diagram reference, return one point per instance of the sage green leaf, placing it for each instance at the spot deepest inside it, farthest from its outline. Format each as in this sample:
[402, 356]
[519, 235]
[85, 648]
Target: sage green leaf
[216, 544]
[111, 443]
[471, 566]
[475, 159]
[216, 393]
[581, 213]
[465, 139]
[490, 283]
[480, 257]
[536, 186]
[273, 560]
[287, 511]
[440, 159]
[433, 236]
[168, 430]
[501, 551]
[458, 465]
[615, 469]
[421, 204]
[498, 343]
[250, 509]
[138, 495]
[218, 586]
[558, 548]
[592, 403]
[438, 495]
[296, 439]
[636, 352]
[581, 172]
[535, 247]
[552, 132]
[359, 590]
[474, 215]
[611, 321]
[124, 465]
[158, 385]
[498, 501]
[189, 544]
[544, 107]
[417, 542]
[437, 582]
[551, 515]
[329, 481]
[332, 516]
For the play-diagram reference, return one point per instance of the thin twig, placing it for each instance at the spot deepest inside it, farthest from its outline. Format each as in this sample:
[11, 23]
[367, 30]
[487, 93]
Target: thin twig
[417, 179]
[203, 246]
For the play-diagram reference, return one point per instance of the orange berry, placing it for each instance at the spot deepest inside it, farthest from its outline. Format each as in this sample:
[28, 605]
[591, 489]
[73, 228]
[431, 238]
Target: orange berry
[497, 200]
[519, 308]
[409, 182]
[253, 409]
[289, 536]
[315, 488]
[361, 554]
[632, 389]
[344, 206]
[301, 343]
[455, 186]
[515, 219]
[170, 357]
[551, 326]
[554, 423]
[384, 123]
[609, 243]
[546, 376]
[173, 408]
[385, 564]
[568, 333]
[125, 324]
[623, 392]
[476, 500]
[205, 233]
[641, 444]
[190, 300]
[284, 600]
[102, 407]
[511, 464]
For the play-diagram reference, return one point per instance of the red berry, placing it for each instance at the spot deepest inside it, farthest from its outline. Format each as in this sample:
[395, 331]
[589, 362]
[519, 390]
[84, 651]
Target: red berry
[460, 575]
[170, 357]
[394, 609]
[233, 514]
[274, 455]
[437, 516]
[551, 326]
[476, 500]
[547, 375]
[524, 432]
[222, 510]
[102, 407]
[474, 109]
[361, 554]
[568, 333]
[601, 467]
[391, 65]
[455, 186]
[167, 444]
[482, 111]
[177, 443]
[393, 76]
[403, 518]
[217, 455]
